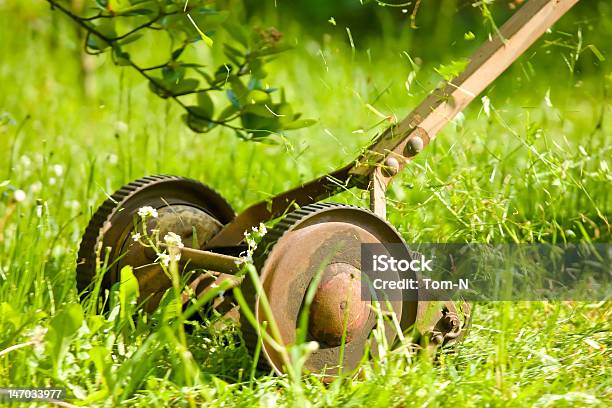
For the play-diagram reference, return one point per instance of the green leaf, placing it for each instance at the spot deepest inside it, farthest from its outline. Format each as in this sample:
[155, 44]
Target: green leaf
[259, 126]
[298, 124]
[452, 69]
[197, 120]
[137, 10]
[102, 360]
[62, 327]
[185, 86]
[237, 32]
[206, 104]
[9, 315]
[265, 52]
[157, 86]
[106, 27]
[130, 39]
[285, 111]
[596, 52]
[259, 110]
[172, 74]
[128, 293]
[203, 36]
[177, 53]
[96, 43]
[257, 69]
[227, 112]
[239, 89]
[223, 73]
[121, 57]
[233, 98]
[258, 97]
[233, 54]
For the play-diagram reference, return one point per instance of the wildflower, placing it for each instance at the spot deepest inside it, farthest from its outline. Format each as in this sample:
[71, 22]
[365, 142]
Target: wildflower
[262, 229]
[121, 127]
[37, 336]
[26, 162]
[36, 187]
[58, 169]
[136, 236]
[72, 204]
[113, 159]
[163, 259]
[459, 119]
[52, 181]
[173, 240]
[311, 346]
[147, 211]
[19, 195]
[486, 105]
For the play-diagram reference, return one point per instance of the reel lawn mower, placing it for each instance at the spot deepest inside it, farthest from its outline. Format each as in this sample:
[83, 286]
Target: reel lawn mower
[306, 239]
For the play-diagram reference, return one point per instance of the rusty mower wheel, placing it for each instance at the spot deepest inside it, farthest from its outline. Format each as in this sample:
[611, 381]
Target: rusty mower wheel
[323, 239]
[186, 207]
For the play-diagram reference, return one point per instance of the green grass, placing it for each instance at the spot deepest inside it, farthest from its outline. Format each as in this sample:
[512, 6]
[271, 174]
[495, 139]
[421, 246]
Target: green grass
[534, 169]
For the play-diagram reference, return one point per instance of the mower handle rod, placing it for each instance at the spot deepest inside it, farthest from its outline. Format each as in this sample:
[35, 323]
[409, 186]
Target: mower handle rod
[397, 145]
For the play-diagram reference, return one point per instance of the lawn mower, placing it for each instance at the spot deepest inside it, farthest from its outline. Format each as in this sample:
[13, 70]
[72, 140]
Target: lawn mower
[303, 242]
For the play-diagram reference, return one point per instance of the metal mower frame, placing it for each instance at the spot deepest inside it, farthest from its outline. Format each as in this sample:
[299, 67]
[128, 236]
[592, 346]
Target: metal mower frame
[304, 236]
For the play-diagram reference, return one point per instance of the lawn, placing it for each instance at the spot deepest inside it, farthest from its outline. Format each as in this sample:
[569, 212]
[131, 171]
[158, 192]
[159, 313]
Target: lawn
[528, 163]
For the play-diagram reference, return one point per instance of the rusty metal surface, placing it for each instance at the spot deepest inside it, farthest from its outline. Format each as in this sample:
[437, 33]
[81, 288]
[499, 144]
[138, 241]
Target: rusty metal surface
[183, 205]
[197, 258]
[326, 239]
[442, 323]
[337, 307]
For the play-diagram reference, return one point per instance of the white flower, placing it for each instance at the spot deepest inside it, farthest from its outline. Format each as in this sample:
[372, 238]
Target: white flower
[147, 211]
[459, 119]
[174, 240]
[136, 236]
[163, 259]
[36, 187]
[58, 169]
[113, 159]
[486, 105]
[19, 195]
[262, 229]
[52, 181]
[311, 346]
[73, 204]
[121, 127]
[26, 162]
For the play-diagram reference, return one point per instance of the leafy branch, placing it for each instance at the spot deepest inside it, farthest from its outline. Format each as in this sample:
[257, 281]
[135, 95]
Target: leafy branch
[120, 27]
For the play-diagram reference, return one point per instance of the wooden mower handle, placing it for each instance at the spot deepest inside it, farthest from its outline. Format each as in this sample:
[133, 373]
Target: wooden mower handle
[397, 145]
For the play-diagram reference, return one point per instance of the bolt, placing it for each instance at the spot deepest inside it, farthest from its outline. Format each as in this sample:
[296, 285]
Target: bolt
[391, 167]
[414, 146]
[451, 321]
[437, 339]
